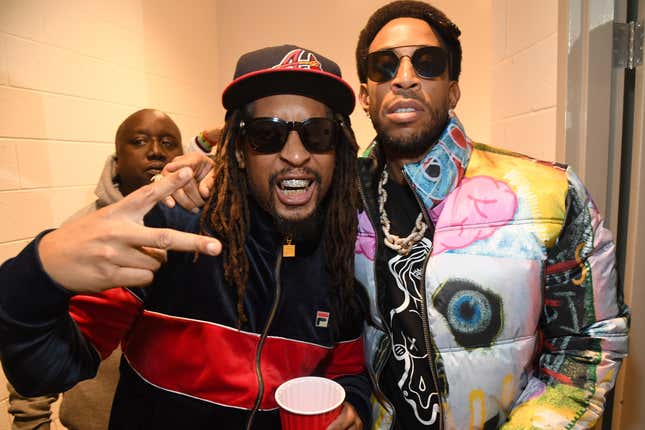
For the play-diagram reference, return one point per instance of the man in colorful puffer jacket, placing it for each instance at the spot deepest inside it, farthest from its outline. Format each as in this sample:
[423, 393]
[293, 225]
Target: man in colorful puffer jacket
[492, 281]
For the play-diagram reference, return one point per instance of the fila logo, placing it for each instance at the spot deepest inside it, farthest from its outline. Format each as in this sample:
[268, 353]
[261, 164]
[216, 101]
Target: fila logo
[322, 319]
[299, 59]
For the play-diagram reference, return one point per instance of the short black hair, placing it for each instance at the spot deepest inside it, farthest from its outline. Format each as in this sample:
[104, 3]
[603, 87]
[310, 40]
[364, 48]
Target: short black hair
[447, 31]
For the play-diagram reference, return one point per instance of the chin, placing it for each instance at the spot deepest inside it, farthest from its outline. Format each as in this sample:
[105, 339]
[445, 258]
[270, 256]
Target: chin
[294, 215]
[409, 143]
[300, 224]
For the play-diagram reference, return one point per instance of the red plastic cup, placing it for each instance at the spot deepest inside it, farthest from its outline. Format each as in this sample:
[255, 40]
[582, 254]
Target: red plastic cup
[309, 403]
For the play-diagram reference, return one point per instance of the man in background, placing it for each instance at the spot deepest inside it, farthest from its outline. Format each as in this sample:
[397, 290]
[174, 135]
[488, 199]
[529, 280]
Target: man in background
[145, 142]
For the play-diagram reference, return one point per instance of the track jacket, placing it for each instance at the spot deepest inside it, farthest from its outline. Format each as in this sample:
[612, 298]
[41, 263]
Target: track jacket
[87, 405]
[522, 310]
[185, 364]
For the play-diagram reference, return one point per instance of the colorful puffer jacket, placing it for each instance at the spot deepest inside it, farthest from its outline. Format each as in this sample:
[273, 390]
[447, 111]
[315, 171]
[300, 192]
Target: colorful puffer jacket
[523, 244]
[186, 364]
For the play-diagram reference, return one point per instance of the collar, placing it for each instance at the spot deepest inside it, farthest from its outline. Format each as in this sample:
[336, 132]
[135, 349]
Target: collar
[432, 178]
[441, 169]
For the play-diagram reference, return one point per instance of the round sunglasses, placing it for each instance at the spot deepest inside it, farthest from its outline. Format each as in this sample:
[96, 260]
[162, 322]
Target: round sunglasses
[428, 62]
[269, 135]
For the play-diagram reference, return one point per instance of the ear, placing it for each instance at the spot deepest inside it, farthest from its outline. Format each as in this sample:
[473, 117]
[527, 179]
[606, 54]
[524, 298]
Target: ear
[454, 93]
[364, 98]
[239, 156]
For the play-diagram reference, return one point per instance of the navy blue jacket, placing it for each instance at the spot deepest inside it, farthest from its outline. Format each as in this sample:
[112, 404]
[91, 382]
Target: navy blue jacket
[185, 365]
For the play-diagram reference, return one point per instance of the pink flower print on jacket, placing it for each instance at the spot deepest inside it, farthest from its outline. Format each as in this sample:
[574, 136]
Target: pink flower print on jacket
[366, 238]
[474, 211]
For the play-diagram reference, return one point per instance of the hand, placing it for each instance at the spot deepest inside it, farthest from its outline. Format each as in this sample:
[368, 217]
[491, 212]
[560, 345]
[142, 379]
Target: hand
[111, 247]
[192, 196]
[347, 420]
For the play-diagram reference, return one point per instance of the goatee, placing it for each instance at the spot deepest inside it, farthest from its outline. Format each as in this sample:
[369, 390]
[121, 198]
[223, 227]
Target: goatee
[306, 229]
[413, 145]
[303, 230]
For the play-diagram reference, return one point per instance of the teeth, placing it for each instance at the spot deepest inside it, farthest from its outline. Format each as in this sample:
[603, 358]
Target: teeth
[294, 183]
[293, 186]
[400, 110]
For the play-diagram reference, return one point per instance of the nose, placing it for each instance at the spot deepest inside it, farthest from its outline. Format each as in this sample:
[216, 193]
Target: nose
[155, 150]
[406, 78]
[294, 151]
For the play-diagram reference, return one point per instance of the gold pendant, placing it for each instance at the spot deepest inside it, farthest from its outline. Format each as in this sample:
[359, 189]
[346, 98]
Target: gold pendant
[288, 249]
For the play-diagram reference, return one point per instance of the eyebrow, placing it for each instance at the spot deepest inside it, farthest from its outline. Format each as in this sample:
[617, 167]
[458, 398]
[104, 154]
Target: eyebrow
[167, 134]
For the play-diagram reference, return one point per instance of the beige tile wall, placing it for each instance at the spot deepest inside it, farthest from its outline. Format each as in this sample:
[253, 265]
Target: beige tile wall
[70, 72]
[524, 76]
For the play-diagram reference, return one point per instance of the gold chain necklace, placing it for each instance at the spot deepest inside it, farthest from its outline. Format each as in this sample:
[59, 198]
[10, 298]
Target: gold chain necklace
[392, 241]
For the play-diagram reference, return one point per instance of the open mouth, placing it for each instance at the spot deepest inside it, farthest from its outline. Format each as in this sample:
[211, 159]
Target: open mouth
[295, 191]
[404, 111]
[294, 186]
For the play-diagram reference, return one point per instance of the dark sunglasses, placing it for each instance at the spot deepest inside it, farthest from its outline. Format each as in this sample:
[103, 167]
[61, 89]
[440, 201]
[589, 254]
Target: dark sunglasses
[269, 135]
[428, 62]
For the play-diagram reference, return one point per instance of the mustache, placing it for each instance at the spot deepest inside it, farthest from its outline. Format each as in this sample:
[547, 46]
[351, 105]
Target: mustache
[306, 170]
[409, 93]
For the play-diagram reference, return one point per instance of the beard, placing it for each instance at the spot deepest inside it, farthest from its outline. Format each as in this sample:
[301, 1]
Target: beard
[415, 144]
[302, 230]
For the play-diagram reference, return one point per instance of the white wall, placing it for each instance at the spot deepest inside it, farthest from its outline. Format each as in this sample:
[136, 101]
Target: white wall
[70, 72]
[524, 82]
[331, 28]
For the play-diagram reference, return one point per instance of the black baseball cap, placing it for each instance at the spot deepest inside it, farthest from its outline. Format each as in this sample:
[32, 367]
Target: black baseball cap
[288, 69]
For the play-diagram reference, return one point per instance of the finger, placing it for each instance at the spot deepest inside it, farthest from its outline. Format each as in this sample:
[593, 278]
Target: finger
[169, 202]
[348, 419]
[160, 255]
[131, 277]
[135, 258]
[193, 160]
[192, 192]
[169, 239]
[206, 185]
[184, 201]
[139, 202]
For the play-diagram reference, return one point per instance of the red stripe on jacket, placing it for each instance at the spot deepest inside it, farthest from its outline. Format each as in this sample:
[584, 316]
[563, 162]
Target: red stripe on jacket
[105, 318]
[217, 363]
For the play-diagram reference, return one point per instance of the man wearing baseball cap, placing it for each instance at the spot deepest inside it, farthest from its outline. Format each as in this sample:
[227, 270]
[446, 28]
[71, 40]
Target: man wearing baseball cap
[255, 290]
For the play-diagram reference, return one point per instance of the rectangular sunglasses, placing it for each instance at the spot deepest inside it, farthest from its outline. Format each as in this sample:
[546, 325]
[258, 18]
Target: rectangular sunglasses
[269, 135]
[428, 62]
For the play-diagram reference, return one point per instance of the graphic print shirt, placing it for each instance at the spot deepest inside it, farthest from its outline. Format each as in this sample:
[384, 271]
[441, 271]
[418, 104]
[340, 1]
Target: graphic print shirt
[407, 379]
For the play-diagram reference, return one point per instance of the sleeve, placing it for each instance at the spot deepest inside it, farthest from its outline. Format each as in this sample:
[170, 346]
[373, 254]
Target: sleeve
[43, 348]
[347, 367]
[199, 143]
[30, 413]
[584, 325]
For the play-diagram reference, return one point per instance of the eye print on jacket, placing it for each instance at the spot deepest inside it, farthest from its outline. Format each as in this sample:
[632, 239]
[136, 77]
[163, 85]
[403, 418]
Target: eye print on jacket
[474, 314]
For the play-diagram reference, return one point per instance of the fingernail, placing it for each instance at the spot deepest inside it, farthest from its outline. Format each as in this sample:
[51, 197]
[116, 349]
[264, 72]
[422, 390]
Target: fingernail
[212, 248]
[195, 210]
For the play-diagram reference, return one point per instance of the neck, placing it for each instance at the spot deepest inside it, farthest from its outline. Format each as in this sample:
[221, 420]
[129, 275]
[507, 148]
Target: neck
[125, 189]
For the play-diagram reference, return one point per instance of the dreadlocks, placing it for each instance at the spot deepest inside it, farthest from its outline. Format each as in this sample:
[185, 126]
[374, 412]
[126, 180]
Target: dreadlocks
[227, 215]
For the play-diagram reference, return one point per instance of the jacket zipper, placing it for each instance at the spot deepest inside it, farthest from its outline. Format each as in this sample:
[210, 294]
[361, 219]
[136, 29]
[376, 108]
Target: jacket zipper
[424, 307]
[258, 351]
[382, 353]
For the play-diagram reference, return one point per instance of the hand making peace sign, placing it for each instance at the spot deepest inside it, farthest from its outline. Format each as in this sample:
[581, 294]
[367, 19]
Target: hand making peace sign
[112, 248]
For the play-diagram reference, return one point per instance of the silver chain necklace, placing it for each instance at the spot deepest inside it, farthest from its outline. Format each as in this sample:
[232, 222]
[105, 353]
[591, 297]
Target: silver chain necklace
[392, 241]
